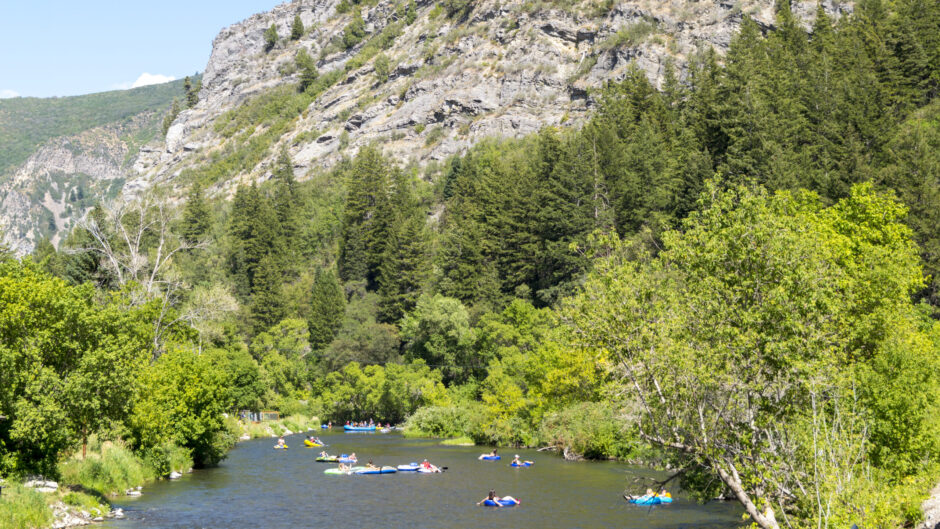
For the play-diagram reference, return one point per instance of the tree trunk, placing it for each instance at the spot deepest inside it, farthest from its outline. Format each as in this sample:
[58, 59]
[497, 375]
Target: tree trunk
[733, 481]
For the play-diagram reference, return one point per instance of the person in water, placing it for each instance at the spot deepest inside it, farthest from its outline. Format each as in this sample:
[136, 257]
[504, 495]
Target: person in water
[343, 467]
[496, 499]
[371, 466]
[491, 454]
[280, 441]
[518, 462]
[353, 456]
[425, 464]
[324, 454]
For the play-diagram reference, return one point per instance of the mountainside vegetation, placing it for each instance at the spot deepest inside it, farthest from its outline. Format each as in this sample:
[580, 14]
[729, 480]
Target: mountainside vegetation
[27, 122]
[734, 276]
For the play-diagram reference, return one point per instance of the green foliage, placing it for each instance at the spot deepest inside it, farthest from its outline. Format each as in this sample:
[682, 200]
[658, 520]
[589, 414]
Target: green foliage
[308, 69]
[270, 37]
[170, 116]
[809, 304]
[354, 32]
[296, 28]
[387, 394]
[382, 67]
[327, 309]
[66, 366]
[27, 122]
[438, 331]
[457, 8]
[182, 398]
[443, 421]
[166, 458]
[192, 92]
[23, 508]
[196, 215]
[362, 338]
[592, 429]
[112, 471]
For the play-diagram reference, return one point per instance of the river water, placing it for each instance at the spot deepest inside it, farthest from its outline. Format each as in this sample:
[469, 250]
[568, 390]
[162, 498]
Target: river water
[258, 487]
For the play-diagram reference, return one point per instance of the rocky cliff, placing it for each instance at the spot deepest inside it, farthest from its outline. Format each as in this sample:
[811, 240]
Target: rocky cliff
[496, 68]
[424, 80]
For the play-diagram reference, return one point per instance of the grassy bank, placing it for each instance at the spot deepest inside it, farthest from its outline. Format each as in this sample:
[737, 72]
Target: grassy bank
[23, 508]
[295, 423]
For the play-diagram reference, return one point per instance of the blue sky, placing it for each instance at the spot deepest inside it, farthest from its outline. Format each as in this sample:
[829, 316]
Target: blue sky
[71, 47]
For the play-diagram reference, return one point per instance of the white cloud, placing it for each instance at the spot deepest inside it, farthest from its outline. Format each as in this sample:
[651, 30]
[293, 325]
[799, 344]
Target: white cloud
[4, 94]
[146, 79]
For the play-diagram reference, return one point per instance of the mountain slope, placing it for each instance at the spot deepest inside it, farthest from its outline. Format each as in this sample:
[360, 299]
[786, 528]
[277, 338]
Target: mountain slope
[60, 156]
[421, 81]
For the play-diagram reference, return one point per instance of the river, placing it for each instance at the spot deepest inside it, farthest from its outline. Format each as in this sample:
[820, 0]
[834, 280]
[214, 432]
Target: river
[258, 487]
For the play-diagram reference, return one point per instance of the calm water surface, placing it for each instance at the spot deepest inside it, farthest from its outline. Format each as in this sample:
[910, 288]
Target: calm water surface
[258, 487]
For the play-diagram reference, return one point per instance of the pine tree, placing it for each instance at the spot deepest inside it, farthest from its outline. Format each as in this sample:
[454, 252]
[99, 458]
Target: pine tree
[255, 234]
[308, 69]
[171, 115]
[327, 308]
[287, 207]
[365, 223]
[297, 28]
[267, 298]
[270, 37]
[191, 91]
[196, 215]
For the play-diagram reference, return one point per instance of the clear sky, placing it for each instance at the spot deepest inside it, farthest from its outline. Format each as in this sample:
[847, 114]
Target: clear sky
[71, 47]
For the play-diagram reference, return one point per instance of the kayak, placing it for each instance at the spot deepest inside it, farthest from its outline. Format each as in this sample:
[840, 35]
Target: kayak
[349, 428]
[308, 442]
[522, 464]
[331, 459]
[383, 470]
[504, 502]
[490, 458]
[413, 467]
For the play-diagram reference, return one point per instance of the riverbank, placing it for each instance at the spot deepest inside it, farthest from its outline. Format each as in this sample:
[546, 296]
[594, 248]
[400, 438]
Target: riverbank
[87, 485]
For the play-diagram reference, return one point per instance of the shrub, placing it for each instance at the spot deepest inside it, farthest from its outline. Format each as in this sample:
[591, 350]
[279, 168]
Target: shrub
[440, 421]
[113, 470]
[166, 458]
[22, 508]
[590, 429]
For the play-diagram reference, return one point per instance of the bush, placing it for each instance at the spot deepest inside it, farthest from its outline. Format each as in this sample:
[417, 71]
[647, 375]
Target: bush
[590, 429]
[440, 421]
[22, 508]
[112, 471]
[166, 458]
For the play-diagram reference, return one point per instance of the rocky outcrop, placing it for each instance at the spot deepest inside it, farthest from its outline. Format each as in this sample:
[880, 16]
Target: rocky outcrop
[62, 180]
[504, 69]
[931, 509]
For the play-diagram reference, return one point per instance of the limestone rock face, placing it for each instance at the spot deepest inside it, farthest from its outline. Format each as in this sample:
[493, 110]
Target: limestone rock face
[503, 69]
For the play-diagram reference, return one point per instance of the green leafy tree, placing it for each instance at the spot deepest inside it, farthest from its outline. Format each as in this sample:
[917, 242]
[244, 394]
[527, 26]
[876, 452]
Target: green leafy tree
[354, 32]
[174, 111]
[182, 398]
[438, 331]
[296, 28]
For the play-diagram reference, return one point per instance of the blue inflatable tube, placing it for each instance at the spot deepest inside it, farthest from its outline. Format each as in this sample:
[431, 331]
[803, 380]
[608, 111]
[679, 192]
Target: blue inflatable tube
[501, 503]
[522, 464]
[346, 460]
[490, 458]
[655, 500]
[413, 467]
[349, 428]
[325, 427]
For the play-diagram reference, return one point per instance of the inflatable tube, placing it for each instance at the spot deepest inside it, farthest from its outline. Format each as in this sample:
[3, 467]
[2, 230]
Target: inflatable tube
[308, 442]
[665, 499]
[336, 471]
[490, 458]
[349, 428]
[522, 464]
[325, 427]
[413, 467]
[655, 500]
[276, 447]
[331, 459]
[383, 470]
[386, 430]
[432, 470]
[511, 502]
[346, 460]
